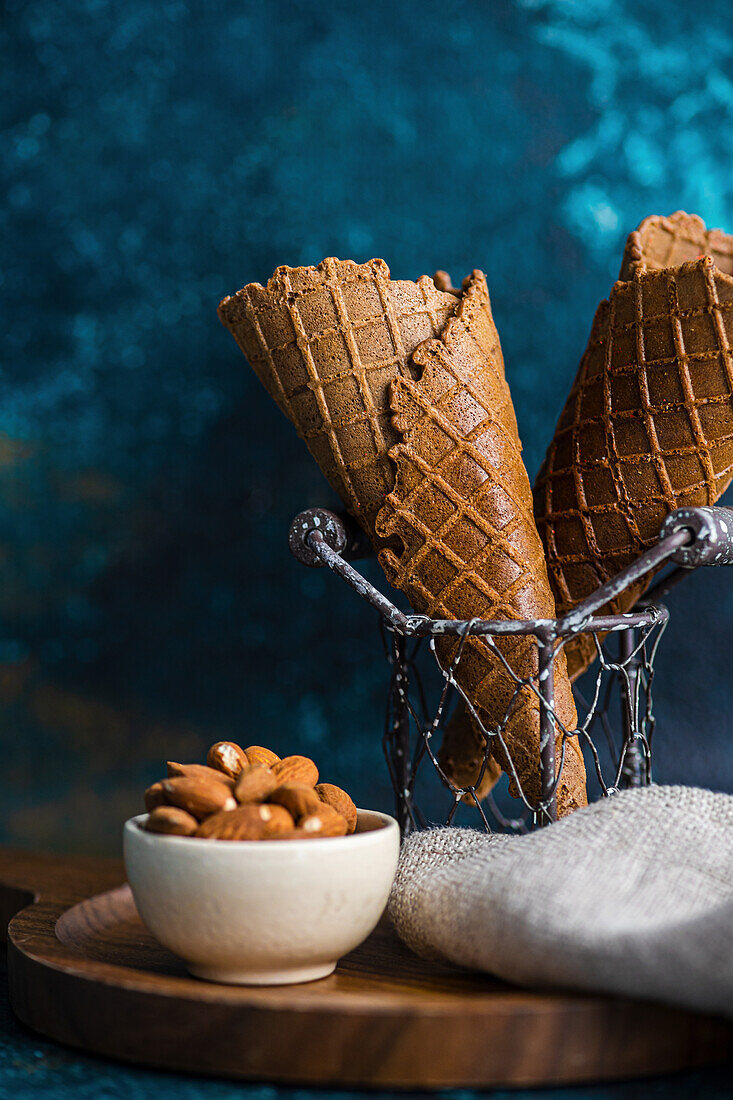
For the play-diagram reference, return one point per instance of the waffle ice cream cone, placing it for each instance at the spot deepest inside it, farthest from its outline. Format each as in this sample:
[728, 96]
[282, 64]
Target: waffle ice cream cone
[648, 425]
[661, 242]
[326, 342]
[461, 516]
[398, 389]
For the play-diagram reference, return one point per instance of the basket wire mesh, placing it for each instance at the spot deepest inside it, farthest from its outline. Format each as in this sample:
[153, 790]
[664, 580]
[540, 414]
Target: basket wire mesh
[618, 752]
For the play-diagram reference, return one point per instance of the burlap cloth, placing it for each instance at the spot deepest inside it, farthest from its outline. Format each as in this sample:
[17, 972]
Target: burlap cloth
[632, 895]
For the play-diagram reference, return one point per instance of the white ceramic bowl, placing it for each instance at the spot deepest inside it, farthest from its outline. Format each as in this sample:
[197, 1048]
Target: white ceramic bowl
[262, 912]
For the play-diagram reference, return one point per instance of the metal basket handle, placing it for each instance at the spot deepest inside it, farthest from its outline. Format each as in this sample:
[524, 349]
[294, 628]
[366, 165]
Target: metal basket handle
[711, 531]
[689, 538]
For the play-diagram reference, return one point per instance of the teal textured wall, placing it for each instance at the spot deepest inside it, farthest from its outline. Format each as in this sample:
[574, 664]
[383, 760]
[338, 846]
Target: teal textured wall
[156, 157]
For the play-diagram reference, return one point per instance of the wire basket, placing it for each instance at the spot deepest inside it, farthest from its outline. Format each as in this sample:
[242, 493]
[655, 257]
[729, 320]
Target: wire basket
[624, 673]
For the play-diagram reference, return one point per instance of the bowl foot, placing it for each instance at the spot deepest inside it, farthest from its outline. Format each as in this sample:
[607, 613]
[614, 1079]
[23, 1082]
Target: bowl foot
[290, 976]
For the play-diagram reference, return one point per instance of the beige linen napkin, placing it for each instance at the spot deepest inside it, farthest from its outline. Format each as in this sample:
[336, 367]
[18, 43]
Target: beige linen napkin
[632, 895]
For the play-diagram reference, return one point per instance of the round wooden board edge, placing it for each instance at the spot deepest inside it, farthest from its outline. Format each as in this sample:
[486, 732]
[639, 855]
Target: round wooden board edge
[55, 997]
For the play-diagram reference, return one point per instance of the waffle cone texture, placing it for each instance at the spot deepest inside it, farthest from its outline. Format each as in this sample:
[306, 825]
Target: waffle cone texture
[327, 342]
[461, 513]
[398, 389]
[648, 424]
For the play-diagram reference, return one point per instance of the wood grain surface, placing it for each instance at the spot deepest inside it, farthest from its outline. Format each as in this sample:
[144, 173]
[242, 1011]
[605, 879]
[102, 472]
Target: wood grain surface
[84, 971]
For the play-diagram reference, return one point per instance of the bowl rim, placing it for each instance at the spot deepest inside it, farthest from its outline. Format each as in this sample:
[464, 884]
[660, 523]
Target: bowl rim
[387, 826]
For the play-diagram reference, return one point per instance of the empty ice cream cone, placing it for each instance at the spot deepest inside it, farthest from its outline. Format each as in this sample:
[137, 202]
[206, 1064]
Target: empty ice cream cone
[461, 511]
[648, 425]
[398, 389]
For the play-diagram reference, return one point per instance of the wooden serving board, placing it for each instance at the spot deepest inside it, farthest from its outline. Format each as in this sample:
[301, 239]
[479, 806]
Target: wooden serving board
[84, 971]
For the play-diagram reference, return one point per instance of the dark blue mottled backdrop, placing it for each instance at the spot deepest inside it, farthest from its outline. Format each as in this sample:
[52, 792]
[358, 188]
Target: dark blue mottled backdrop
[157, 156]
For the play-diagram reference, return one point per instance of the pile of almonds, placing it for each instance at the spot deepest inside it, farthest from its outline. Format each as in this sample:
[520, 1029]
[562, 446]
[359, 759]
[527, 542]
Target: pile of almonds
[248, 794]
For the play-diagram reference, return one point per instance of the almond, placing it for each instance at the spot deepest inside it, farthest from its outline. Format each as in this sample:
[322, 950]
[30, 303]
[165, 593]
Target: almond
[298, 798]
[255, 784]
[296, 769]
[275, 819]
[248, 822]
[326, 822]
[227, 757]
[198, 771]
[256, 754]
[243, 823]
[155, 796]
[197, 796]
[340, 801]
[171, 820]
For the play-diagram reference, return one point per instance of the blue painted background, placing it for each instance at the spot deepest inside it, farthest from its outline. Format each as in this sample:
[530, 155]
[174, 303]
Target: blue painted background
[155, 157]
